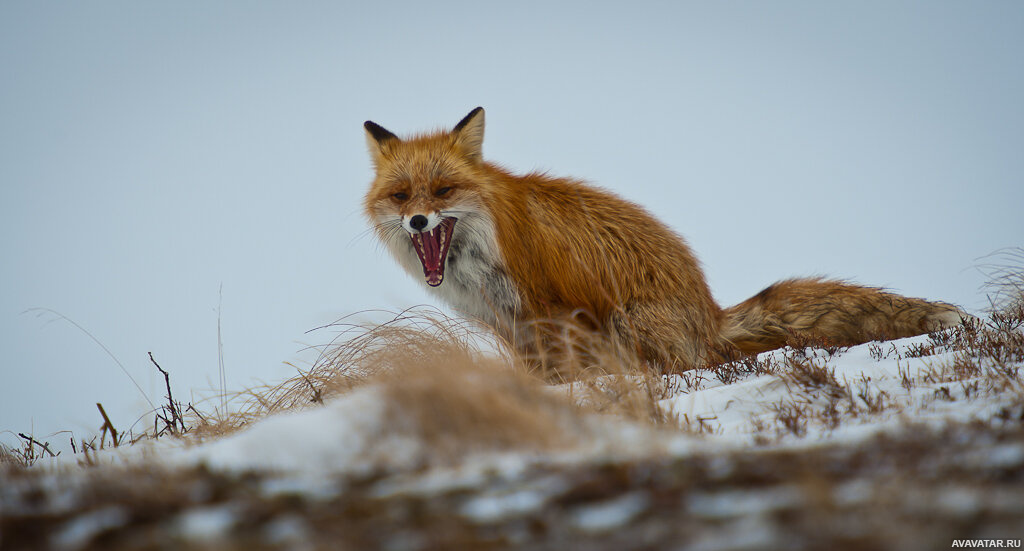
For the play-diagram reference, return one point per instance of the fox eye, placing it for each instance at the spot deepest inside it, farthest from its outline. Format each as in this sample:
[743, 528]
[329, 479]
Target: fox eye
[401, 196]
[443, 191]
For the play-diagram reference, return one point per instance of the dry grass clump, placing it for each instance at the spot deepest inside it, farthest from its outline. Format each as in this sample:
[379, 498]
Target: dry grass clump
[818, 397]
[733, 371]
[440, 387]
[358, 353]
[456, 385]
[435, 375]
[814, 376]
[605, 377]
[31, 451]
[10, 458]
[416, 336]
[991, 349]
[456, 403]
[1005, 285]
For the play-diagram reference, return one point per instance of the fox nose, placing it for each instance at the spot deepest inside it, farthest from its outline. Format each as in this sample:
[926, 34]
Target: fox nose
[418, 222]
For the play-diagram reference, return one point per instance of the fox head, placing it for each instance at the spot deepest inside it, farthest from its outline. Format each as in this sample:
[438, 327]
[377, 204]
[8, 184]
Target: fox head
[423, 186]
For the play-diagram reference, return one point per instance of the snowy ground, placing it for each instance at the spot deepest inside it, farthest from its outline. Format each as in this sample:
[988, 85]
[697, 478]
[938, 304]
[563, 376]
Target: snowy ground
[907, 444]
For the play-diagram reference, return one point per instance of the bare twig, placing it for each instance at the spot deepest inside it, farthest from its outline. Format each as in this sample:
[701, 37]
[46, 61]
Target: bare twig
[32, 441]
[201, 417]
[176, 422]
[107, 426]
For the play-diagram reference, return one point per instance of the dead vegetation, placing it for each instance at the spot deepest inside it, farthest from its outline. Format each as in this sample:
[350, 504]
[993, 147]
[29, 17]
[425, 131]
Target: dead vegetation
[461, 406]
[30, 451]
[415, 339]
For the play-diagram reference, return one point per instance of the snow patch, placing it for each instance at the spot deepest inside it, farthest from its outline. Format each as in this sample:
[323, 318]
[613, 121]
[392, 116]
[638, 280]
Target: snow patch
[608, 515]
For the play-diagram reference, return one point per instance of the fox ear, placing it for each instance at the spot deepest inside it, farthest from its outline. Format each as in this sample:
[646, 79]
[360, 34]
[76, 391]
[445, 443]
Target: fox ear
[469, 134]
[376, 136]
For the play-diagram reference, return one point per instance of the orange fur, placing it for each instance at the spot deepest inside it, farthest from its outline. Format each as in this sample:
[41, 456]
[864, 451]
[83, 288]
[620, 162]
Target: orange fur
[545, 253]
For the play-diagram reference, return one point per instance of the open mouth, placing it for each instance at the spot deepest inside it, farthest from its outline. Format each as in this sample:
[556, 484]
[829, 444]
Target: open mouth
[432, 248]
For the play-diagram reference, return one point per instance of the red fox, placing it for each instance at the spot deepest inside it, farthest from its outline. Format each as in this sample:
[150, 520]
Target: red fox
[519, 252]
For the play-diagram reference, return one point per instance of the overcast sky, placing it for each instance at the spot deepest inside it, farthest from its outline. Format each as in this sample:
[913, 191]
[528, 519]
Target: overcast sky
[154, 153]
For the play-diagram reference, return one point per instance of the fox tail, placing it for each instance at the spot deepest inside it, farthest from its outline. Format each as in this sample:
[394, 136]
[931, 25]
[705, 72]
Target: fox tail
[800, 312]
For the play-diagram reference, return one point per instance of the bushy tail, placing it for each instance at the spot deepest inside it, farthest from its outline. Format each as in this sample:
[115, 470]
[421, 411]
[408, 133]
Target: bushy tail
[832, 313]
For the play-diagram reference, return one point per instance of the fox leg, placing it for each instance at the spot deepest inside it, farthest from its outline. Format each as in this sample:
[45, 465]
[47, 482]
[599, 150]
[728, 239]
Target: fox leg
[673, 337]
[561, 348]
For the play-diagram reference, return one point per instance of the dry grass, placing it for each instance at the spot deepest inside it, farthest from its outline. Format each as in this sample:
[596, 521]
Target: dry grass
[454, 385]
[457, 404]
[12, 458]
[1004, 285]
[814, 376]
[991, 349]
[439, 385]
[26, 455]
[733, 371]
[359, 353]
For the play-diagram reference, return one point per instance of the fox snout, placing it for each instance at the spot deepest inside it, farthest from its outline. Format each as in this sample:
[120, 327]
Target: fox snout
[421, 222]
[418, 222]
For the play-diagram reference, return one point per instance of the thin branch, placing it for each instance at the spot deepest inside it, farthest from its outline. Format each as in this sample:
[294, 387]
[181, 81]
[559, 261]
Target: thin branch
[33, 441]
[176, 419]
[107, 425]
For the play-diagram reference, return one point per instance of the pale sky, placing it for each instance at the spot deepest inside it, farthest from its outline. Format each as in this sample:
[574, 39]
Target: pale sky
[154, 153]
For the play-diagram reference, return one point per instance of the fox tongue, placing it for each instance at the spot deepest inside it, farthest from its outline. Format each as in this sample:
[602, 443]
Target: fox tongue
[431, 251]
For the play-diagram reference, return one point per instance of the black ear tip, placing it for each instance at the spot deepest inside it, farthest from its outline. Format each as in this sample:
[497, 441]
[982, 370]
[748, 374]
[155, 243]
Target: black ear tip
[465, 120]
[378, 132]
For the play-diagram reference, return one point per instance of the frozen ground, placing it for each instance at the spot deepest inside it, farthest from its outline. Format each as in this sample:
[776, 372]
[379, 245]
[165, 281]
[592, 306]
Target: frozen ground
[907, 444]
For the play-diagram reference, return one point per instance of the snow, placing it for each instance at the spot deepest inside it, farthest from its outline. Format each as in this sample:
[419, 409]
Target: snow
[608, 515]
[747, 533]
[728, 408]
[344, 435]
[78, 532]
[287, 530]
[736, 503]
[207, 523]
[730, 412]
[489, 508]
[1005, 456]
